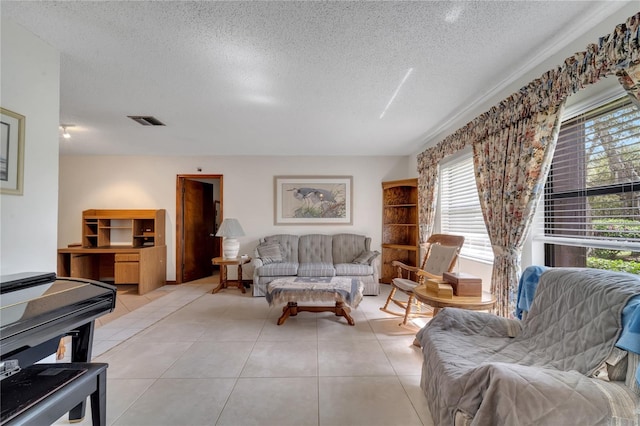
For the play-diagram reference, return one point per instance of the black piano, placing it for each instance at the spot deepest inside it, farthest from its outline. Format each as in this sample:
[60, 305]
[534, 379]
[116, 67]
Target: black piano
[38, 309]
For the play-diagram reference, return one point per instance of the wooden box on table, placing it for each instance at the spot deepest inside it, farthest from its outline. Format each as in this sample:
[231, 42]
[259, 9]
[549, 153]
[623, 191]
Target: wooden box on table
[464, 284]
[440, 288]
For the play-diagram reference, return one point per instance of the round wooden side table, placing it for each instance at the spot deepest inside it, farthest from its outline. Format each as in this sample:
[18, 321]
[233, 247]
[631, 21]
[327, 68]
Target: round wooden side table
[484, 302]
[223, 263]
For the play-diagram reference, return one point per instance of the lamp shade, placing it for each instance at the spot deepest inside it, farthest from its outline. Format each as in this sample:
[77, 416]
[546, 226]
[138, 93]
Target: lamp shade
[230, 229]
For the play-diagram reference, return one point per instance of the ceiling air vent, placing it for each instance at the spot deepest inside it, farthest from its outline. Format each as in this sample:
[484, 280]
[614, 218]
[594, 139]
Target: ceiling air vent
[146, 120]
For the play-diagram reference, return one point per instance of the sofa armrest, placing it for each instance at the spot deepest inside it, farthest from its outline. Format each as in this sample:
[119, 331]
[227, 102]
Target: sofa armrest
[375, 265]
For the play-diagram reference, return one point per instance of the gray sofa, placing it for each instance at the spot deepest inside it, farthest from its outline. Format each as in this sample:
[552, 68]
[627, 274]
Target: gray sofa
[315, 255]
[564, 364]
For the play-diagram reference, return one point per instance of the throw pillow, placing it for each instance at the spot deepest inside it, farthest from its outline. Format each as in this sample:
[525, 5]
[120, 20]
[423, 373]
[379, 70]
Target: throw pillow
[365, 257]
[440, 258]
[270, 253]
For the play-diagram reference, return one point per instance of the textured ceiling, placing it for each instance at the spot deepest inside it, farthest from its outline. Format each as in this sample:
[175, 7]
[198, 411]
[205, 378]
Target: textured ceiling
[285, 78]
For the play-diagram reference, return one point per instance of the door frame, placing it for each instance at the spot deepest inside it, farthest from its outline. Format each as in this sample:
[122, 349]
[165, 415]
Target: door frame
[180, 179]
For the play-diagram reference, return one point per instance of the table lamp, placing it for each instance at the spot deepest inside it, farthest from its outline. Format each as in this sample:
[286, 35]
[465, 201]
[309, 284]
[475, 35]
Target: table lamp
[230, 229]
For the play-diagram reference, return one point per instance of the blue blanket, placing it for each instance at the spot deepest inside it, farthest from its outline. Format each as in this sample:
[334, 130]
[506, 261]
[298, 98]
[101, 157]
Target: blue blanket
[630, 338]
[527, 288]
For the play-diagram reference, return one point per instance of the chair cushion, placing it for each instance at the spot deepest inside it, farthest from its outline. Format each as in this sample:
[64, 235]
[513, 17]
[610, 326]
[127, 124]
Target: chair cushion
[270, 253]
[440, 258]
[404, 284]
[281, 269]
[318, 269]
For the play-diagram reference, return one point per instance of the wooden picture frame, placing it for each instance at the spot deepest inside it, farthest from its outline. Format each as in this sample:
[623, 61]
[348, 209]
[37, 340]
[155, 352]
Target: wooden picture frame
[11, 152]
[313, 200]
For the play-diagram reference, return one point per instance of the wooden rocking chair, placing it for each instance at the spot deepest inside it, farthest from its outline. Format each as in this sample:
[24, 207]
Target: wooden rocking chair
[441, 254]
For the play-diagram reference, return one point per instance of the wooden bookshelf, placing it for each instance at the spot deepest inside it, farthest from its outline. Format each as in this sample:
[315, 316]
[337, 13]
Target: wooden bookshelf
[400, 230]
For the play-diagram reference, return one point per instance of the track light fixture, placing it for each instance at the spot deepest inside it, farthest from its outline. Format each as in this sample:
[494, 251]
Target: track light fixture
[65, 132]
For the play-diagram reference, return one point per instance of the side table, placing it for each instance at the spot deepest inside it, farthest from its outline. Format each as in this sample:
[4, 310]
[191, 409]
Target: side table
[223, 263]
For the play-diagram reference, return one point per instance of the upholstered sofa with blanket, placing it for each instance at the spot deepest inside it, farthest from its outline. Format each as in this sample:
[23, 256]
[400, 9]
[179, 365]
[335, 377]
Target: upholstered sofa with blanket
[572, 361]
[315, 255]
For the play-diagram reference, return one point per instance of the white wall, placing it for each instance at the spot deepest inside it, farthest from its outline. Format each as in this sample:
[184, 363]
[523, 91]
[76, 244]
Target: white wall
[88, 182]
[30, 83]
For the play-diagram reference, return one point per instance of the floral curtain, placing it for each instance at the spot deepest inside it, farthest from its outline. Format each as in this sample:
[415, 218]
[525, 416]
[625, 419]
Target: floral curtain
[630, 80]
[525, 118]
[428, 184]
[511, 167]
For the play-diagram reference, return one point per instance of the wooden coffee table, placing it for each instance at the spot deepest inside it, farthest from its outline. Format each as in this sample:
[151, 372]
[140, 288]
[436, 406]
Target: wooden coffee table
[346, 293]
[484, 302]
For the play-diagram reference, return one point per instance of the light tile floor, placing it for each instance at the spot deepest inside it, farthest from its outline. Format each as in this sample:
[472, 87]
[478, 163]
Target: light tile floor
[196, 358]
[128, 300]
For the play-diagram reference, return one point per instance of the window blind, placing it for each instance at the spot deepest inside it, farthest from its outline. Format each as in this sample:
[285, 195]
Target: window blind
[460, 212]
[592, 194]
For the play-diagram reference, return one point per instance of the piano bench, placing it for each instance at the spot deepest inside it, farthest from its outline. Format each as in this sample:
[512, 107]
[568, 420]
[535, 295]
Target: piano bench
[42, 393]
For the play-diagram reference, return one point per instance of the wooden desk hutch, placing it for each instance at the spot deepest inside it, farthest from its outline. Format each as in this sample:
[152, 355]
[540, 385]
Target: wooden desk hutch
[121, 247]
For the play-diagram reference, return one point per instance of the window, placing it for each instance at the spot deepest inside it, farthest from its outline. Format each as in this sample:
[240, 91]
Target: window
[460, 211]
[592, 194]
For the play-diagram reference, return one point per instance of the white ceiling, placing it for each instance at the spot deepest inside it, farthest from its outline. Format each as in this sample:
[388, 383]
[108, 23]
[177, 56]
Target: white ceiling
[286, 78]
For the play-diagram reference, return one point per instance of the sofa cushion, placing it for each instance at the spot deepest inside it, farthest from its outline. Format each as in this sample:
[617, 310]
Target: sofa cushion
[318, 269]
[315, 248]
[278, 269]
[345, 247]
[270, 253]
[353, 269]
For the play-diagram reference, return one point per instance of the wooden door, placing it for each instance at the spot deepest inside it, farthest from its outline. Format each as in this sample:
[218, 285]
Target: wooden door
[198, 241]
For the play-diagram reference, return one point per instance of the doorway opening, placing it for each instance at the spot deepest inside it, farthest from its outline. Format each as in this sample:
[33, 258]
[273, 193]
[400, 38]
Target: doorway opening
[199, 204]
